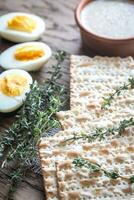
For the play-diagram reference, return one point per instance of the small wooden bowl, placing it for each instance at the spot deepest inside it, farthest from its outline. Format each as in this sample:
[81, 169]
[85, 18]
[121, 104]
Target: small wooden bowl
[102, 45]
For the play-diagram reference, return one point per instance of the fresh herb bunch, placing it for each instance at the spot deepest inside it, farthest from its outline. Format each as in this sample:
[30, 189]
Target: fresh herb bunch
[107, 100]
[94, 167]
[19, 143]
[102, 133]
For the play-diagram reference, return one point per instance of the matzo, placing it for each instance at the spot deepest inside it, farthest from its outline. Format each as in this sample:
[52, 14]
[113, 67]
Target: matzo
[78, 184]
[53, 150]
[86, 121]
[94, 78]
[48, 153]
[91, 80]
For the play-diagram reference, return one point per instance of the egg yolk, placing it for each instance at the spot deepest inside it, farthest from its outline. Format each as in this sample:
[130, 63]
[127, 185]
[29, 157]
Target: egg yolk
[27, 53]
[22, 23]
[13, 85]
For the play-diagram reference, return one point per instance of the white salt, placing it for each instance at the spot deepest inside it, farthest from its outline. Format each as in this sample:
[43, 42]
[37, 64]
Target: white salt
[109, 18]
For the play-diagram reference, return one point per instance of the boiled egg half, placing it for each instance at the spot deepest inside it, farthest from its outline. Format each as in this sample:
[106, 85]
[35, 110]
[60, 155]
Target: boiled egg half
[21, 27]
[29, 56]
[14, 84]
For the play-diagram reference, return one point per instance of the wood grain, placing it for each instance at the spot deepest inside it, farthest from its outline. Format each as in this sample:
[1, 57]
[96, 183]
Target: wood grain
[61, 33]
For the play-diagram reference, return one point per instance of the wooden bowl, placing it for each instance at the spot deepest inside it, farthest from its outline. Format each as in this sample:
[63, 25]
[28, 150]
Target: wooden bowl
[102, 45]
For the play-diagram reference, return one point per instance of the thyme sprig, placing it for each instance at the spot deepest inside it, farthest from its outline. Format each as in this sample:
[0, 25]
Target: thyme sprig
[95, 167]
[34, 118]
[107, 100]
[102, 133]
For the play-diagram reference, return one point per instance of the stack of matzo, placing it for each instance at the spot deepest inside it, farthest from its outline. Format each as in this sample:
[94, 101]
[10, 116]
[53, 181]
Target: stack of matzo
[91, 80]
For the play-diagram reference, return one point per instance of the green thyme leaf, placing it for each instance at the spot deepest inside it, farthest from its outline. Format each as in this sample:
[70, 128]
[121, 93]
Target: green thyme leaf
[131, 179]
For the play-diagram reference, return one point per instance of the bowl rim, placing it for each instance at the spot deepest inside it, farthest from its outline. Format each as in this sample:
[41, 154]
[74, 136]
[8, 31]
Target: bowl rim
[77, 12]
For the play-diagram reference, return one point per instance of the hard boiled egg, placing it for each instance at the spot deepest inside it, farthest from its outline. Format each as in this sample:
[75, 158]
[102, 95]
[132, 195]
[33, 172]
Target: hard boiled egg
[29, 56]
[14, 84]
[21, 27]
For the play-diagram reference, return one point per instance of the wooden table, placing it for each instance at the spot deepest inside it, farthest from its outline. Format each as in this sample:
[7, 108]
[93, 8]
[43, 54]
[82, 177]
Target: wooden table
[61, 33]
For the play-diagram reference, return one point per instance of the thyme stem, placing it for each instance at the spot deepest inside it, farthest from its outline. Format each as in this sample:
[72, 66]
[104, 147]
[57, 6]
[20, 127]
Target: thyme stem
[95, 167]
[101, 133]
[107, 100]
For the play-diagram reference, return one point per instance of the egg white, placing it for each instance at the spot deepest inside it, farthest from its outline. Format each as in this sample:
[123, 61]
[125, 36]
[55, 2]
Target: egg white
[8, 61]
[9, 104]
[20, 36]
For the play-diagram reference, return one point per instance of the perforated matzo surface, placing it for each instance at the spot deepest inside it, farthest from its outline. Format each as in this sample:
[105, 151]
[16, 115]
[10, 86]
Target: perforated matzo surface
[94, 78]
[54, 150]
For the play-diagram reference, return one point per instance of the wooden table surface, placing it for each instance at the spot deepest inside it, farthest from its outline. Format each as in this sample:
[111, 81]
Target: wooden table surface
[61, 33]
